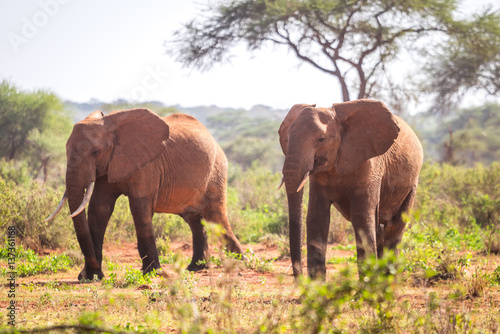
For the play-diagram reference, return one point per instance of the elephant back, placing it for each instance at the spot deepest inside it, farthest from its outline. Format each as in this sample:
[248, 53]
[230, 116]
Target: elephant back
[193, 161]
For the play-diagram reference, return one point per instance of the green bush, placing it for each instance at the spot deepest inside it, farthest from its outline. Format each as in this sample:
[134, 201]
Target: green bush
[171, 226]
[467, 196]
[123, 277]
[323, 303]
[456, 207]
[255, 207]
[25, 205]
[28, 263]
[17, 172]
[495, 276]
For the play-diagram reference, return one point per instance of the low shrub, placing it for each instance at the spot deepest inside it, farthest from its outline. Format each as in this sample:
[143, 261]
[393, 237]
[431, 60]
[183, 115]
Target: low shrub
[28, 263]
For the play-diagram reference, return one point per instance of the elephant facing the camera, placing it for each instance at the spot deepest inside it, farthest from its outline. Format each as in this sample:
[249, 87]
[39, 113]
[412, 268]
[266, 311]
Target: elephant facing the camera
[361, 159]
[169, 165]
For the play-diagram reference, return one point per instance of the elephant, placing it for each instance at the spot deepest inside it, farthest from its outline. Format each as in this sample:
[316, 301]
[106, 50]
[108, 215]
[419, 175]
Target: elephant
[358, 157]
[165, 165]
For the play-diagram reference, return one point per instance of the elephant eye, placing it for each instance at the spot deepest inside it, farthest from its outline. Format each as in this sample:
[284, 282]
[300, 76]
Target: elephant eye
[95, 152]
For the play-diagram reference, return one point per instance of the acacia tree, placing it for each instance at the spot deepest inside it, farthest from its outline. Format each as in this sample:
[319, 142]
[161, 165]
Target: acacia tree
[356, 41]
[469, 61]
[33, 126]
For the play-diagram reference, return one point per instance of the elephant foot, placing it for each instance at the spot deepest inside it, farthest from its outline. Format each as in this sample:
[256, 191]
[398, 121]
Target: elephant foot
[316, 263]
[89, 274]
[164, 273]
[197, 265]
[317, 271]
[150, 269]
[233, 245]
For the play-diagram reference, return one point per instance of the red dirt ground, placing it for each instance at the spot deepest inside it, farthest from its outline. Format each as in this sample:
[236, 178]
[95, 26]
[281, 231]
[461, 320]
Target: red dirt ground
[128, 255]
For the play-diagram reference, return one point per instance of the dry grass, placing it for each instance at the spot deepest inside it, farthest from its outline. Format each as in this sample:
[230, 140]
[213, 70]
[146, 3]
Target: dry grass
[238, 299]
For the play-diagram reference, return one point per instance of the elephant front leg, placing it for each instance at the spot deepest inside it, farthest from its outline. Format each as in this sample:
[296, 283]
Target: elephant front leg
[200, 244]
[363, 219]
[142, 212]
[318, 224]
[101, 207]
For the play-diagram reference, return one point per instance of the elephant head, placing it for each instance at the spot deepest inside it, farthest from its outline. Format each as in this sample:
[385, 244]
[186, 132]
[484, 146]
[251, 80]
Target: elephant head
[116, 145]
[336, 140]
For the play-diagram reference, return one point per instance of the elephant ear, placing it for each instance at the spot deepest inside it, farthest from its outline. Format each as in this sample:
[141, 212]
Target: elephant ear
[368, 130]
[139, 138]
[287, 122]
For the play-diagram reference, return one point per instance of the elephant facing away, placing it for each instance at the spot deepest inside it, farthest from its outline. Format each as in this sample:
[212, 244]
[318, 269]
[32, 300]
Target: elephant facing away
[168, 165]
[361, 159]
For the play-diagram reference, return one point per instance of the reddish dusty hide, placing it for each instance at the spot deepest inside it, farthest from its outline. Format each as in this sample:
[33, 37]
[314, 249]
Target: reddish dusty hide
[169, 165]
[361, 159]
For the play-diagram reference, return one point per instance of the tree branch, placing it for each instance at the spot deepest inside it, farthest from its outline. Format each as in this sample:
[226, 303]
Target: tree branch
[90, 329]
[295, 48]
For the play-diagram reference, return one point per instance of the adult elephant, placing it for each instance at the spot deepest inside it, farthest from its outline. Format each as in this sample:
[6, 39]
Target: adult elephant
[169, 165]
[357, 156]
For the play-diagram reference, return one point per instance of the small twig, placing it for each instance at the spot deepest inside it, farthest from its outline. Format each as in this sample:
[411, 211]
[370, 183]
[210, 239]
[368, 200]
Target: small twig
[63, 328]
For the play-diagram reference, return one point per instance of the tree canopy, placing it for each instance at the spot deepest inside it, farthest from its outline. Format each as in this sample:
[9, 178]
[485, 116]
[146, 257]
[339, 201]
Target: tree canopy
[356, 41]
[33, 126]
[470, 60]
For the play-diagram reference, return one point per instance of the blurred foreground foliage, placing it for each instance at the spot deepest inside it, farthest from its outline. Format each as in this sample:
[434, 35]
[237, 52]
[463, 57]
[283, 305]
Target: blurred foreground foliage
[128, 302]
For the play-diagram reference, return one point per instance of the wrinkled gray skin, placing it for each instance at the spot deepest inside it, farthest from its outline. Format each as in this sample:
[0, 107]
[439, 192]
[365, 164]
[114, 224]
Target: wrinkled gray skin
[361, 159]
[170, 165]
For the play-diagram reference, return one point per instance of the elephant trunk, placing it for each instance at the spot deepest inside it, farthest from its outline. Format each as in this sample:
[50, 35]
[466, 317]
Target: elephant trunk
[294, 176]
[76, 194]
[295, 228]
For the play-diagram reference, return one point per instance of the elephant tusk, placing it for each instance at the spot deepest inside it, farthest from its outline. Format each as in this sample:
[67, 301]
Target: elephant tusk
[59, 207]
[281, 183]
[301, 185]
[85, 201]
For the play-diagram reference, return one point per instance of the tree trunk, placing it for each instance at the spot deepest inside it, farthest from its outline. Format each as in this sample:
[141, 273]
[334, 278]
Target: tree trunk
[45, 167]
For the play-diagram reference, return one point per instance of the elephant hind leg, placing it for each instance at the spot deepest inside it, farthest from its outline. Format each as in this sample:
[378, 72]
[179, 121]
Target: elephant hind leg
[395, 228]
[200, 259]
[233, 245]
[215, 210]
[380, 223]
[380, 235]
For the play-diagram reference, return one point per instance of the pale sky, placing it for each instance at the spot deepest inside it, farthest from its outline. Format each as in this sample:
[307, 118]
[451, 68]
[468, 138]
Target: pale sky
[114, 49]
